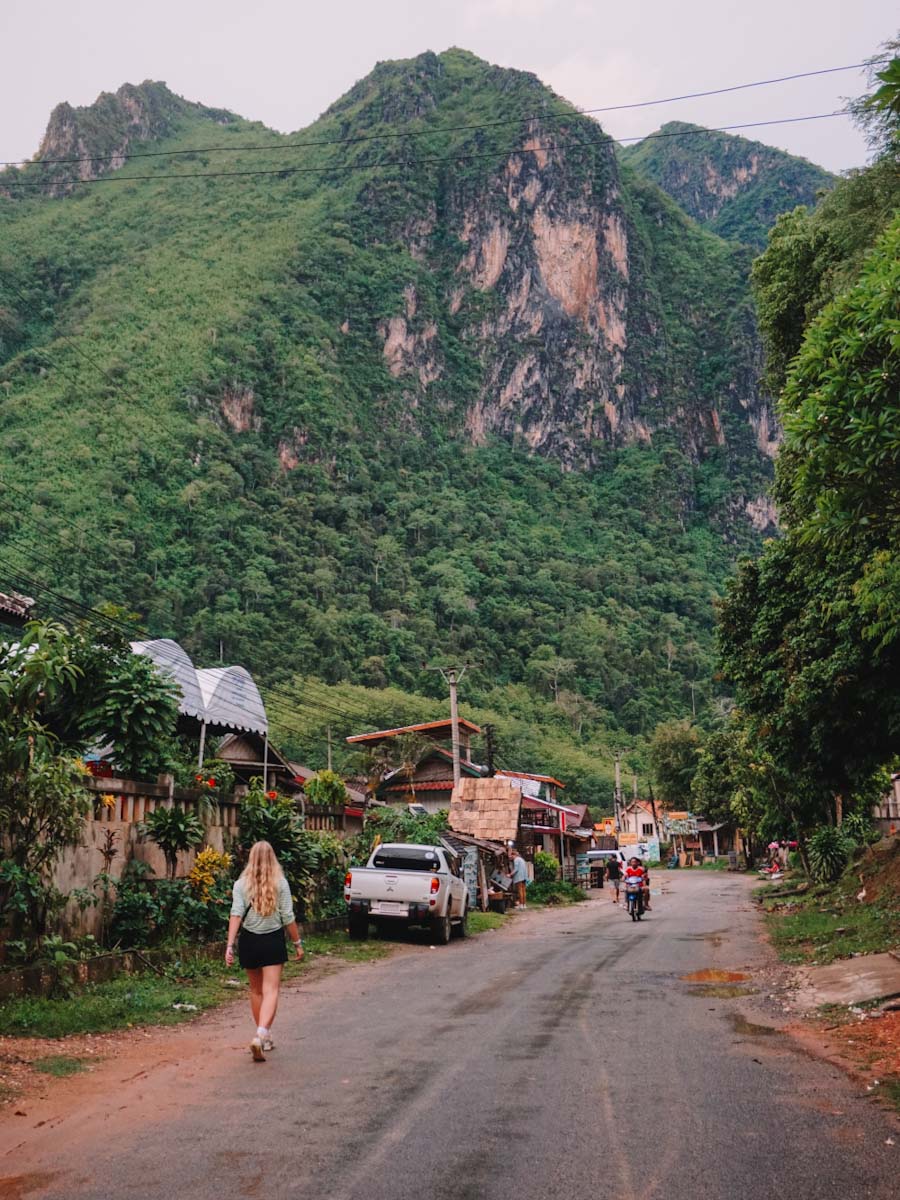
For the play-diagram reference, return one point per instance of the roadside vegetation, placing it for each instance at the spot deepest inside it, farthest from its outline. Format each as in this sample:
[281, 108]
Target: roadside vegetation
[174, 993]
[809, 631]
[857, 914]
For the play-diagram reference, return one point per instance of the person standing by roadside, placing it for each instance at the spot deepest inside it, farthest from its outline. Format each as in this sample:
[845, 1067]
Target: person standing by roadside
[614, 875]
[519, 877]
[261, 909]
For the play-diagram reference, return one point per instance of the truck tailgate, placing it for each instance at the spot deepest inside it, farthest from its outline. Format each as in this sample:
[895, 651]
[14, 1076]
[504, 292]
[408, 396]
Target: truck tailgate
[391, 892]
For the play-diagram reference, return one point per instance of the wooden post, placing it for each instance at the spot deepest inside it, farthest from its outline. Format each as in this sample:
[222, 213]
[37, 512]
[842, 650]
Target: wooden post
[483, 884]
[329, 747]
[266, 761]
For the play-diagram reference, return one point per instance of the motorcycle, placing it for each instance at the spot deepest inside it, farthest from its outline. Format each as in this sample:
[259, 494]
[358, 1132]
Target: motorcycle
[634, 898]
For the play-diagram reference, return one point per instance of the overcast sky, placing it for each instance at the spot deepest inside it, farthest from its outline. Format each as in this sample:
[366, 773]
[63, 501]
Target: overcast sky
[284, 61]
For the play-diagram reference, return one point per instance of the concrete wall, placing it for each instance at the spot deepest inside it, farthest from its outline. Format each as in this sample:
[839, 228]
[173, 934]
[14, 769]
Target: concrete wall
[78, 867]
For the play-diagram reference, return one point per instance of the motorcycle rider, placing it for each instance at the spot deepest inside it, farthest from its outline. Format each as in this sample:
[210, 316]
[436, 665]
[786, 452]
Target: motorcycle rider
[635, 871]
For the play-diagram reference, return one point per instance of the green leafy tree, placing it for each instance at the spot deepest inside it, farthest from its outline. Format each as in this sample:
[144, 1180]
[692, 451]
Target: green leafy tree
[674, 754]
[113, 696]
[136, 710]
[174, 830]
[879, 112]
[326, 789]
[43, 801]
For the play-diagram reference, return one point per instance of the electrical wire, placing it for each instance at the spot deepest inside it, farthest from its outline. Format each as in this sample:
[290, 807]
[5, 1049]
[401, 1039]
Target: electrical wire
[60, 603]
[25, 187]
[63, 608]
[440, 129]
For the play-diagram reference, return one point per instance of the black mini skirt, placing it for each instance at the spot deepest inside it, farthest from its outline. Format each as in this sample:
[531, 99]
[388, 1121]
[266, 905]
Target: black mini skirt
[261, 949]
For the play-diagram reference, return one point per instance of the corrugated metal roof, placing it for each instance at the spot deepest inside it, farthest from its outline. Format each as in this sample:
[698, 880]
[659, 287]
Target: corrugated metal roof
[224, 697]
[232, 698]
[529, 775]
[424, 727]
[174, 661]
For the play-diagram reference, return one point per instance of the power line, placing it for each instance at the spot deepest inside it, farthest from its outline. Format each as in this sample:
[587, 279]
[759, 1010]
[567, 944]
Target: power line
[355, 712]
[61, 603]
[63, 607]
[25, 186]
[410, 133]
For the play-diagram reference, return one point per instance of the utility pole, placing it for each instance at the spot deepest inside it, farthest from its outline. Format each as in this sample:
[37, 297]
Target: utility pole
[618, 793]
[489, 737]
[329, 747]
[655, 817]
[452, 676]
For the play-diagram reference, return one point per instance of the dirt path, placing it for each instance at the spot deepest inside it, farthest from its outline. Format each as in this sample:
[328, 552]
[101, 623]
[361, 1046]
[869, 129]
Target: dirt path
[121, 1056]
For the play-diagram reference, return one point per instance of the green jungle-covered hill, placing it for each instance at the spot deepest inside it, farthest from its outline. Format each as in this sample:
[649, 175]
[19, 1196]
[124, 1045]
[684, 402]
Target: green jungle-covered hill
[733, 186]
[437, 378]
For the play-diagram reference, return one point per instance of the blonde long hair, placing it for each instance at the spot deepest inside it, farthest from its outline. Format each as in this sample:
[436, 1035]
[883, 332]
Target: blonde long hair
[261, 878]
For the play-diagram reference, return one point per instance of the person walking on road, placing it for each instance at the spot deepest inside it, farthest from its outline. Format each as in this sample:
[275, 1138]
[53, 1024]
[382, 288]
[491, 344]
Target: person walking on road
[261, 909]
[519, 877]
[614, 875]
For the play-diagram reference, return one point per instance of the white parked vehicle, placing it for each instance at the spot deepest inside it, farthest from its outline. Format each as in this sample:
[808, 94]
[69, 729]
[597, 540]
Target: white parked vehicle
[408, 885]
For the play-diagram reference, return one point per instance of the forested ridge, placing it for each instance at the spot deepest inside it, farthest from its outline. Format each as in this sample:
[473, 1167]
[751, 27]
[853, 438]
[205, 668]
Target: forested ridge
[733, 186]
[337, 424]
[809, 635]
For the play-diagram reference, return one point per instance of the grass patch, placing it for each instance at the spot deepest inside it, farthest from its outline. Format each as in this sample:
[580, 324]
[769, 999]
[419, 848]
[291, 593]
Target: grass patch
[890, 1091]
[827, 924]
[714, 864]
[149, 999]
[481, 922]
[58, 1065]
[339, 946]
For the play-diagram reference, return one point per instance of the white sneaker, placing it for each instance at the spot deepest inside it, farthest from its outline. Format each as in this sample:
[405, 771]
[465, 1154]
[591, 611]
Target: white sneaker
[268, 1045]
[256, 1049]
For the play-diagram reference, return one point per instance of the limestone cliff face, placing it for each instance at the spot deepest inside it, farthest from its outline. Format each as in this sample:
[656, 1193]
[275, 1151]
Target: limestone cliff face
[553, 256]
[597, 314]
[96, 138]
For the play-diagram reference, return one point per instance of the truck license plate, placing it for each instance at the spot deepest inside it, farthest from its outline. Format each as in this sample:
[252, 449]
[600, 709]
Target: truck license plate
[389, 906]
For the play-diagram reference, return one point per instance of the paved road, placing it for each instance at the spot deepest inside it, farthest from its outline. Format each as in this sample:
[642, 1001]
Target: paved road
[559, 1058]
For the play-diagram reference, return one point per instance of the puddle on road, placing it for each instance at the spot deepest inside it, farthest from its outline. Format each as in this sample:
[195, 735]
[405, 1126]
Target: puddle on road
[710, 975]
[749, 1028]
[721, 991]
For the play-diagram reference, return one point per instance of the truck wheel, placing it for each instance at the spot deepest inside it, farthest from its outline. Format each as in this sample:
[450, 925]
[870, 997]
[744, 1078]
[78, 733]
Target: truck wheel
[358, 927]
[441, 929]
[461, 928]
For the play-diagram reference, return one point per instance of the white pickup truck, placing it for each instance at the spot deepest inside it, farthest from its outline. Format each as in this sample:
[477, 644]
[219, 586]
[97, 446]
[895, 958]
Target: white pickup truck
[408, 884]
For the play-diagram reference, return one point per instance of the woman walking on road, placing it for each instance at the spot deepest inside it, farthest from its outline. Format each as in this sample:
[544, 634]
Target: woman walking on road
[261, 909]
